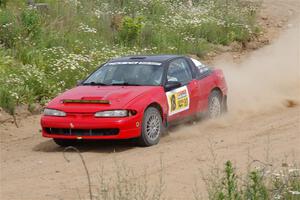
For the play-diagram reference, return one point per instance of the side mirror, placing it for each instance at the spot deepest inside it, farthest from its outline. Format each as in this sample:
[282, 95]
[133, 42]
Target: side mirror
[79, 82]
[170, 85]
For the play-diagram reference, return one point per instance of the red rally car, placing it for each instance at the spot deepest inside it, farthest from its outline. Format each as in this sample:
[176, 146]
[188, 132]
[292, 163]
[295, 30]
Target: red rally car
[135, 97]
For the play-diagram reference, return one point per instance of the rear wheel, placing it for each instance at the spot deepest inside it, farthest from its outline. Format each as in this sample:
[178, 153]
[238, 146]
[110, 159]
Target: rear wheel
[65, 142]
[214, 104]
[151, 127]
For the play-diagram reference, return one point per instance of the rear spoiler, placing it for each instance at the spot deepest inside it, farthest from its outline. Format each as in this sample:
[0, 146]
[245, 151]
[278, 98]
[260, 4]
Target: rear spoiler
[91, 101]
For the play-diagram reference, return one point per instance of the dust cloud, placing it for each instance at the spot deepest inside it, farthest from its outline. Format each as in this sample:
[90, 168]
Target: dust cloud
[267, 79]
[264, 81]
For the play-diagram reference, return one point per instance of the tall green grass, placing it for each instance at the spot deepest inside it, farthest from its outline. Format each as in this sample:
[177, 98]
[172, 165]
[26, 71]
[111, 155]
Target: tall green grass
[44, 52]
[261, 183]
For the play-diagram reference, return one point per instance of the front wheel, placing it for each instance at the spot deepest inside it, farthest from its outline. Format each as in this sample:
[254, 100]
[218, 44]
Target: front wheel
[151, 127]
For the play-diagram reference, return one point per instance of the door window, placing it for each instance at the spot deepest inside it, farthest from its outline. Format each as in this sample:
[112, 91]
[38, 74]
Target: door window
[179, 71]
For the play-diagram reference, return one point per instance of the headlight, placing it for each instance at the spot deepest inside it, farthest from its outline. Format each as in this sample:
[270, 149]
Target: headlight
[52, 112]
[112, 113]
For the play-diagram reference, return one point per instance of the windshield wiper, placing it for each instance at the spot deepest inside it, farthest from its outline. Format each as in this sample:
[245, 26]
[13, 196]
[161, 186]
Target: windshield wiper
[94, 83]
[126, 84]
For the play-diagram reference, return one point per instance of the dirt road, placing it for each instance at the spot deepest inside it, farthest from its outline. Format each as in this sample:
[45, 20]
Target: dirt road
[263, 123]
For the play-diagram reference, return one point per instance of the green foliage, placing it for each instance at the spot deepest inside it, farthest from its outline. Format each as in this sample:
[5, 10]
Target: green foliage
[229, 187]
[285, 184]
[256, 189]
[131, 30]
[260, 184]
[8, 29]
[49, 50]
[7, 102]
[31, 22]
[231, 182]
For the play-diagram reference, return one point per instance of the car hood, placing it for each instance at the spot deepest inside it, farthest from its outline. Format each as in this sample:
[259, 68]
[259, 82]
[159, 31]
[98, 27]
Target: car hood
[112, 97]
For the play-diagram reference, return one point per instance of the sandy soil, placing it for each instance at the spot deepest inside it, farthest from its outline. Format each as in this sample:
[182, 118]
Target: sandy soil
[263, 123]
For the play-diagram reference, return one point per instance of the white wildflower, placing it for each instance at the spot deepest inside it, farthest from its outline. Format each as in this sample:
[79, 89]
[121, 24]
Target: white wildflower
[277, 196]
[294, 170]
[6, 25]
[98, 13]
[294, 192]
[85, 28]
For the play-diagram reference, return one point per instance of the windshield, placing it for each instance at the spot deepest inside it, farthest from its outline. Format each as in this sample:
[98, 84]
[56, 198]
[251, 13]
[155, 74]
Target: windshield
[127, 73]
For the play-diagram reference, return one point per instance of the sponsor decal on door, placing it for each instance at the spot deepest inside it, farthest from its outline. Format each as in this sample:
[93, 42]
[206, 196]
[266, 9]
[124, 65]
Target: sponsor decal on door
[178, 100]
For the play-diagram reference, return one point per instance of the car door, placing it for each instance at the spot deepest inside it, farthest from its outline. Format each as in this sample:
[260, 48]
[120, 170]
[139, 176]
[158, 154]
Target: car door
[205, 83]
[182, 101]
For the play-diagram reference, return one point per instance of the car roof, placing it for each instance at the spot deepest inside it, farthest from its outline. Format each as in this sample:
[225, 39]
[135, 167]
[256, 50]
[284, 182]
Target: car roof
[146, 58]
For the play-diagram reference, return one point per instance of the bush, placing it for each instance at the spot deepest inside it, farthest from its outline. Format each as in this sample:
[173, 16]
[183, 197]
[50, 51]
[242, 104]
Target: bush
[7, 102]
[31, 23]
[130, 30]
[8, 29]
[259, 184]
[256, 189]
[228, 187]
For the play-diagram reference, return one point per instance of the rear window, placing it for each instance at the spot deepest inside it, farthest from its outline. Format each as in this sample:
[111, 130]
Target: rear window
[203, 69]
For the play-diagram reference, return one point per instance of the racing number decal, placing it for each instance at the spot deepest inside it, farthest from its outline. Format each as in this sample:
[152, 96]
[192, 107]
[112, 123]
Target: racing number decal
[178, 100]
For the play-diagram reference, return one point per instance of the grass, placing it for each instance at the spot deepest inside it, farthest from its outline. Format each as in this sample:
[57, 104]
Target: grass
[43, 52]
[261, 183]
[125, 184]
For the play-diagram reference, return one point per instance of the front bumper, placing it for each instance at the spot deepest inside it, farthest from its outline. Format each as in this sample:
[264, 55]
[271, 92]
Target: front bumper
[79, 126]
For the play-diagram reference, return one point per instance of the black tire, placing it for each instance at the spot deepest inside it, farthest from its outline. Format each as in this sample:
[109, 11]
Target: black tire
[152, 127]
[215, 104]
[65, 142]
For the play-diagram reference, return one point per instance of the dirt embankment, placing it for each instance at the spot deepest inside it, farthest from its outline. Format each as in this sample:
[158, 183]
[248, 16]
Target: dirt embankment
[263, 123]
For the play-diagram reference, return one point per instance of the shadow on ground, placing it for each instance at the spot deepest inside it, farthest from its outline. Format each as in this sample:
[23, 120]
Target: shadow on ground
[98, 146]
